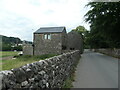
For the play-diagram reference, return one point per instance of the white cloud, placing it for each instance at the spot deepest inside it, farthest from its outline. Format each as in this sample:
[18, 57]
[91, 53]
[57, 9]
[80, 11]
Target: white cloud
[19, 17]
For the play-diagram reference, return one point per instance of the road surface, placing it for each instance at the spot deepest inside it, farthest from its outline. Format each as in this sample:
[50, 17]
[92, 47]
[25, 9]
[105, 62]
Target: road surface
[96, 70]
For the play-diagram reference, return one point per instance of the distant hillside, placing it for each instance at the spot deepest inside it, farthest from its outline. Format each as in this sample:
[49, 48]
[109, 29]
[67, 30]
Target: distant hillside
[11, 43]
[10, 40]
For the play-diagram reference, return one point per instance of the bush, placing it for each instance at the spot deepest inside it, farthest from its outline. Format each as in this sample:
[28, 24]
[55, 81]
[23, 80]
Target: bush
[6, 47]
[18, 48]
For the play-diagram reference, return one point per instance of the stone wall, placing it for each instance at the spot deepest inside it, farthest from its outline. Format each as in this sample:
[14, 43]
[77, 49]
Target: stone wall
[48, 73]
[28, 49]
[111, 52]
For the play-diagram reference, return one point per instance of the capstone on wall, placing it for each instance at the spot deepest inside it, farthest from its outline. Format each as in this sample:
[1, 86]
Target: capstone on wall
[48, 73]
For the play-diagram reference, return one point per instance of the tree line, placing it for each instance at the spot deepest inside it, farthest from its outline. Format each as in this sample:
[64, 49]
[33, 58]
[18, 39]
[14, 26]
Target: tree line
[10, 43]
[104, 20]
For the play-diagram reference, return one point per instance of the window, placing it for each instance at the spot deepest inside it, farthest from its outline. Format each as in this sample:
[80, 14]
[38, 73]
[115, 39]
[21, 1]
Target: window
[47, 36]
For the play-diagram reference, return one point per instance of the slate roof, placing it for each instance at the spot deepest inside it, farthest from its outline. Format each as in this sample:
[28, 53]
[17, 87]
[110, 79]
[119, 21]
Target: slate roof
[50, 30]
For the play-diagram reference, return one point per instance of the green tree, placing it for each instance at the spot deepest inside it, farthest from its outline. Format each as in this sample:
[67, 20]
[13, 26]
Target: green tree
[6, 47]
[80, 29]
[85, 35]
[104, 18]
[18, 48]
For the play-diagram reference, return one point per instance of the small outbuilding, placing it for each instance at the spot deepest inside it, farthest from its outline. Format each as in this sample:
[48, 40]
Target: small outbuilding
[49, 40]
[75, 41]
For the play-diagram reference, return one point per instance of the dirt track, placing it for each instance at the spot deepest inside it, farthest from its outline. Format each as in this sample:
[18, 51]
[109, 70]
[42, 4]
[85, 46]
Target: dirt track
[6, 58]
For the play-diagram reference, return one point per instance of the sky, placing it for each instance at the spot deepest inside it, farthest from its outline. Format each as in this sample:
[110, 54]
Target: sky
[20, 18]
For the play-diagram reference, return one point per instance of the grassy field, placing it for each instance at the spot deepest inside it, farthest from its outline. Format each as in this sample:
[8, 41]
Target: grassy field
[7, 53]
[21, 60]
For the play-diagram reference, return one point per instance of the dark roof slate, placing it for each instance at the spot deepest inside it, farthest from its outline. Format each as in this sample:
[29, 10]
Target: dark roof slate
[50, 30]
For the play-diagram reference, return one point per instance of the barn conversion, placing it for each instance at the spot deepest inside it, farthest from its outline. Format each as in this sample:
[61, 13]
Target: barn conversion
[50, 40]
[53, 40]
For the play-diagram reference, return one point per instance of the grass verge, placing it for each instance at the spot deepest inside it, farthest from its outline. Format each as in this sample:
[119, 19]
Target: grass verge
[7, 53]
[22, 60]
[69, 81]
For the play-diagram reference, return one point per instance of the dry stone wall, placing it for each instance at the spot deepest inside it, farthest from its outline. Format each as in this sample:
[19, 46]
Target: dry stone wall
[48, 73]
[111, 52]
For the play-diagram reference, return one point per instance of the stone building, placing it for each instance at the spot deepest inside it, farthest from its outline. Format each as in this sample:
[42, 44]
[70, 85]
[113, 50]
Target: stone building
[50, 40]
[27, 49]
[75, 41]
[53, 40]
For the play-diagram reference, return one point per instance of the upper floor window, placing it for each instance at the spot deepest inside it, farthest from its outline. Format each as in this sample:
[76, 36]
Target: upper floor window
[47, 36]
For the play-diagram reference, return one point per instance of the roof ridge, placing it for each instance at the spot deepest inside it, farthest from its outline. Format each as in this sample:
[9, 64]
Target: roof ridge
[54, 27]
[50, 29]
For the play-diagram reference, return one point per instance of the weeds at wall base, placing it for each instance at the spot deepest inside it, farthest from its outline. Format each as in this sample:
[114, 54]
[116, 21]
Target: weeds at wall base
[68, 82]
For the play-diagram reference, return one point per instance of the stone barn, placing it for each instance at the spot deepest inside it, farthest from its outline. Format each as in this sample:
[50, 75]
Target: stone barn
[50, 40]
[75, 41]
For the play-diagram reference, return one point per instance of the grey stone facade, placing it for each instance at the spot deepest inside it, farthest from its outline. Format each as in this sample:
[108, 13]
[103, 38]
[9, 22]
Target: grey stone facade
[48, 73]
[54, 45]
[75, 41]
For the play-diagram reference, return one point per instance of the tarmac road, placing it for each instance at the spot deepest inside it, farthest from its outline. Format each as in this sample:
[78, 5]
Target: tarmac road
[96, 70]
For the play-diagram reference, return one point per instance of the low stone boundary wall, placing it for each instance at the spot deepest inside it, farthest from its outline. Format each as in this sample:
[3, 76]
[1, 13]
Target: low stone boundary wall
[48, 73]
[111, 52]
[27, 49]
